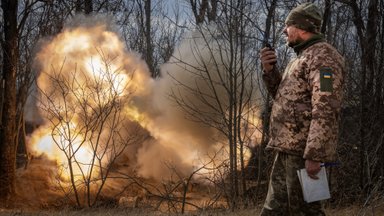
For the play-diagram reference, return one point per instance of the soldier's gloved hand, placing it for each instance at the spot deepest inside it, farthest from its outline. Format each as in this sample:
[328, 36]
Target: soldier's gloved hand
[268, 58]
[312, 167]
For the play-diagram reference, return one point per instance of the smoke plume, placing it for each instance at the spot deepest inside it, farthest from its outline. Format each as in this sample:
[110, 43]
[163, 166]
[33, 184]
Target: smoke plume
[177, 138]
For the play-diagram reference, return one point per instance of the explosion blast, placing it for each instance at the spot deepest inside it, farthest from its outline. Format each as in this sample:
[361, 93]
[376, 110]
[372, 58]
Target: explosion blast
[97, 101]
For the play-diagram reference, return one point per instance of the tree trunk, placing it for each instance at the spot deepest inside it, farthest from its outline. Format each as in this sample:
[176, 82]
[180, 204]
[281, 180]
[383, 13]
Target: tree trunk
[199, 13]
[88, 7]
[84, 6]
[212, 13]
[148, 38]
[267, 105]
[367, 45]
[79, 6]
[8, 120]
[327, 14]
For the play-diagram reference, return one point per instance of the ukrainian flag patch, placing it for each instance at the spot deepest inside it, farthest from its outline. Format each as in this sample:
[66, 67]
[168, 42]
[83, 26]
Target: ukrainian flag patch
[326, 79]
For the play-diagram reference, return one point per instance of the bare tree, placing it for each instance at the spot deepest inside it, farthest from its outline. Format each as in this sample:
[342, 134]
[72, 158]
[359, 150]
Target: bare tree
[326, 15]
[269, 37]
[367, 34]
[88, 6]
[24, 34]
[174, 194]
[84, 6]
[223, 84]
[151, 30]
[8, 107]
[148, 37]
[88, 125]
[204, 9]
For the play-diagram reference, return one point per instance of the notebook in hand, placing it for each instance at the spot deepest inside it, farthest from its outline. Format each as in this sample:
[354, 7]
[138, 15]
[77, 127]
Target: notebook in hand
[314, 189]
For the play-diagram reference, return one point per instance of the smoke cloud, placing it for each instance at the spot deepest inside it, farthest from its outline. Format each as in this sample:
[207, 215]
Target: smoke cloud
[176, 138]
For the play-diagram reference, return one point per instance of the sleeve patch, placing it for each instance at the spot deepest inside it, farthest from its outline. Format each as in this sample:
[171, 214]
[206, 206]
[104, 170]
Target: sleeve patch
[326, 79]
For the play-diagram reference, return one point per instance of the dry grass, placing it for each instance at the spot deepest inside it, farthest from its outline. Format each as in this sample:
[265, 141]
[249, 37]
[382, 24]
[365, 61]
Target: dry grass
[345, 211]
[36, 193]
[127, 211]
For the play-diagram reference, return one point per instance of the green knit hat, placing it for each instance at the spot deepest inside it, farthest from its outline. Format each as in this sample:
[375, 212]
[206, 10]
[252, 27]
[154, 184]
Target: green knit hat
[306, 16]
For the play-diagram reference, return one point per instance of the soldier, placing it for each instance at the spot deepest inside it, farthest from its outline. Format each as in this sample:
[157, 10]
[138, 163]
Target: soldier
[305, 112]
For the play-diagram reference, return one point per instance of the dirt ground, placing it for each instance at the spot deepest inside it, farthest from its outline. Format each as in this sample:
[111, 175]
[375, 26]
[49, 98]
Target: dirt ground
[37, 191]
[377, 210]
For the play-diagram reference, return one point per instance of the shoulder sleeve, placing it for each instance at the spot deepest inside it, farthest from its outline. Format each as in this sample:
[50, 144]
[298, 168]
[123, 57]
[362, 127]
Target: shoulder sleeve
[326, 77]
[272, 80]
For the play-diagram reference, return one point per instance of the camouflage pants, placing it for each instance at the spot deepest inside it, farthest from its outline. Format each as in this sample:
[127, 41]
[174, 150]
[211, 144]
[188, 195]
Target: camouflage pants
[285, 196]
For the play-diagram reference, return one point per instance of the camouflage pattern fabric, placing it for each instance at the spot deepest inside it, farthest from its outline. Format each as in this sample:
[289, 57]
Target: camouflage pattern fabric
[285, 196]
[307, 101]
[306, 16]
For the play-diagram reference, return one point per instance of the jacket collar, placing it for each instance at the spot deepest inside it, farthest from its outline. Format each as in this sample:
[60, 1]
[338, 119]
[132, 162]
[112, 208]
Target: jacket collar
[305, 44]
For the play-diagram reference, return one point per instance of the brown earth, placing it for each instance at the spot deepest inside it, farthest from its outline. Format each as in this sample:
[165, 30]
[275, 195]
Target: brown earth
[38, 195]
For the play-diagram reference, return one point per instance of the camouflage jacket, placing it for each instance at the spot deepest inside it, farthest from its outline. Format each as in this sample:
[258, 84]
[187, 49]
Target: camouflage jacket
[307, 101]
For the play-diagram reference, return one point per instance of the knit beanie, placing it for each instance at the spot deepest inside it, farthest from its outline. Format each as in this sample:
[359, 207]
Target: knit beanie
[306, 16]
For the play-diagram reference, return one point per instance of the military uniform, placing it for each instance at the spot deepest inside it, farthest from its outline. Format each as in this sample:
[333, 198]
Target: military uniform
[307, 101]
[304, 121]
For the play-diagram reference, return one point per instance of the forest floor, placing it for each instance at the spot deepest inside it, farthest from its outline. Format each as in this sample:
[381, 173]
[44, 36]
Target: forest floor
[377, 210]
[37, 197]
[120, 212]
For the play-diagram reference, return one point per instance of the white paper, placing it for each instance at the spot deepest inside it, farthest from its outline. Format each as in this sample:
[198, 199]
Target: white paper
[314, 189]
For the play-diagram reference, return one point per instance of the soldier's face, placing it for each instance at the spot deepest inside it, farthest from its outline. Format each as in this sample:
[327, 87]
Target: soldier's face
[293, 35]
